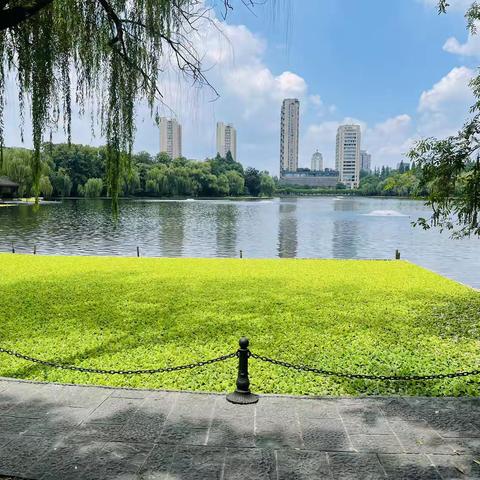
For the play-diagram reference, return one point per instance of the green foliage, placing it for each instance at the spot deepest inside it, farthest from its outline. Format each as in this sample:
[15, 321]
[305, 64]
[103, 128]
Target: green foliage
[371, 317]
[110, 53]
[70, 167]
[236, 183]
[452, 177]
[78, 162]
[253, 181]
[267, 185]
[93, 188]
[451, 167]
[62, 183]
[45, 187]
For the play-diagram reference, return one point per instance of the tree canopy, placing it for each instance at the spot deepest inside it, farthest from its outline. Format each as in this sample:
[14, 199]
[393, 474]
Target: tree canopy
[450, 167]
[107, 53]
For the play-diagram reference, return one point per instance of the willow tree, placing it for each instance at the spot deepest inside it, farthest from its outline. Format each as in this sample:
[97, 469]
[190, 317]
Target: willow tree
[107, 53]
[450, 167]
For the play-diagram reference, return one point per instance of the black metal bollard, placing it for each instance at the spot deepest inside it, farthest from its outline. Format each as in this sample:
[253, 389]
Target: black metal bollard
[397, 254]
[242, 395]
[138, 251]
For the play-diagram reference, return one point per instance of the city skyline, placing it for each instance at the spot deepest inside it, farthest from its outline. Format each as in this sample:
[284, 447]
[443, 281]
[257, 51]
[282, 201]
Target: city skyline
[257, 67]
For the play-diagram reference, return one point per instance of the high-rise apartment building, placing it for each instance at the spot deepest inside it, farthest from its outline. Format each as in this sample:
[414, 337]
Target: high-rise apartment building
[226, 140]
[170, 137]
[289, 127]
[365, 161]
[347, 159]
[317, 162]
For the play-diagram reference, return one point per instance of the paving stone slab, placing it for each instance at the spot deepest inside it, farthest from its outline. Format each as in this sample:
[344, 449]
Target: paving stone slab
[327, 435]
[409, 467]
[118, 460]
[453, 467]
[302, 464]
[158, 463]
[195, 462]
[57, 432]
[254, 463]
[351, 466]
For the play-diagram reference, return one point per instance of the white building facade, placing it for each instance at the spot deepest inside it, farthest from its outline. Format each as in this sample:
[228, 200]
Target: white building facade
[289, 128]
[226, 140]
[317, 162]
[170, 137]
[347, 158]
[365, 161]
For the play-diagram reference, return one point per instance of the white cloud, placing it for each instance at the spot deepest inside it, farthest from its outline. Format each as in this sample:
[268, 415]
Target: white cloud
[444, 108]
[471, 48]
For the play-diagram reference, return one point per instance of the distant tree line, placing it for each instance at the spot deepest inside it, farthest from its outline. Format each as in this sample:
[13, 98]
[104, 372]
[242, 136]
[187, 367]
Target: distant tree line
[80, 170]
[404, 181]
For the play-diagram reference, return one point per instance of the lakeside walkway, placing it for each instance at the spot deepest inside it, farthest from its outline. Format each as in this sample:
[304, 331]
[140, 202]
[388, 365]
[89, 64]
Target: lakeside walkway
[50, 431]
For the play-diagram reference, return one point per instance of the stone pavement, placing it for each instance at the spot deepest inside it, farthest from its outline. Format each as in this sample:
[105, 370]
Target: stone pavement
[50, 431]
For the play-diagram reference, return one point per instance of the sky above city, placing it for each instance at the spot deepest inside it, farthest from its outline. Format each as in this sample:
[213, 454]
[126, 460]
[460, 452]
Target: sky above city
[395, 67]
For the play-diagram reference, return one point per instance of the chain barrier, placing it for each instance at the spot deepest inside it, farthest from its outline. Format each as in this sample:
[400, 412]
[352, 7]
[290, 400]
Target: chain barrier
[249, 354]
[117, 372]
[306, 368]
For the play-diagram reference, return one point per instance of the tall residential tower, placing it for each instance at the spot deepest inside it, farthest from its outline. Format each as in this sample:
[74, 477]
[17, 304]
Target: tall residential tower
[317, 162]
[170, 137]
[289, 127]
[347, 159]
[226, 140]
[365, 161]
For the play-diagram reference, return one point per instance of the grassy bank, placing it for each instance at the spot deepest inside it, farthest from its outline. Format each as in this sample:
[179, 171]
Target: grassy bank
[373, 317]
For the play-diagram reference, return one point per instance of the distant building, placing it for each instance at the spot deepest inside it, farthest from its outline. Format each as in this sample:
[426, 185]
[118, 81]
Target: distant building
[317, 162]
[365, 161]
[289, 127]
[226, 140]
[347, 159]
[170, 137]
[305, 177]
[8, 189]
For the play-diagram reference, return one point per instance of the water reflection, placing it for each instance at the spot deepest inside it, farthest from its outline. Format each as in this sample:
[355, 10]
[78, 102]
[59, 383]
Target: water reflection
[345, 239]
[287, 228]
[226, 217]
[172, 229]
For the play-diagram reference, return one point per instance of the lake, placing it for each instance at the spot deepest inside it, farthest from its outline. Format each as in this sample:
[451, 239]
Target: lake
[305, 227]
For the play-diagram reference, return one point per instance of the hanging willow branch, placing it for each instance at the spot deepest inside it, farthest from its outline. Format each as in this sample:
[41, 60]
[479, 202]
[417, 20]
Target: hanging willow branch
[109, 52]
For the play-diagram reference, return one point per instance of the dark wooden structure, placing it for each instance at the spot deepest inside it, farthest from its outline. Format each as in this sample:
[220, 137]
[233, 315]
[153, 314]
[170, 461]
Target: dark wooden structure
[8, 189]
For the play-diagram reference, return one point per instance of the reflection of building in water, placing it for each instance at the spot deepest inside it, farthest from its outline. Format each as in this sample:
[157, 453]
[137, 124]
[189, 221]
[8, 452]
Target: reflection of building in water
[226, 226]
[172, 228]
[345, 230]
[287, 229]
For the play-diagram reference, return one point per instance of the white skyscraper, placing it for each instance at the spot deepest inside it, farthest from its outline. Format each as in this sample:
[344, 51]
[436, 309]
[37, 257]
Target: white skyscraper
[226, 140]
[170, 137]
[347, 159]
[317, 162]
[289, 135]
[365, 161]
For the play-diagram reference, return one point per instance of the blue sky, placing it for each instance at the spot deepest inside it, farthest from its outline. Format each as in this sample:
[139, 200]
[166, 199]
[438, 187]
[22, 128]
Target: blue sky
[395, 67]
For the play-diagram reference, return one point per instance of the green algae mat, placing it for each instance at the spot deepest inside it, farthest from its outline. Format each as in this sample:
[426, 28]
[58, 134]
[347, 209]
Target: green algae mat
[369, 317]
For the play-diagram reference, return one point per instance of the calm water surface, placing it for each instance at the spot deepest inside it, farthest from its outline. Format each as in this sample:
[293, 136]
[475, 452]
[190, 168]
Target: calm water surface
[322, 227]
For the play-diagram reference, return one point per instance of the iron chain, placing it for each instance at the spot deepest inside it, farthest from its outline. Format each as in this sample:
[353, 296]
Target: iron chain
[222, 358]
[116, 372]
[306, 368]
